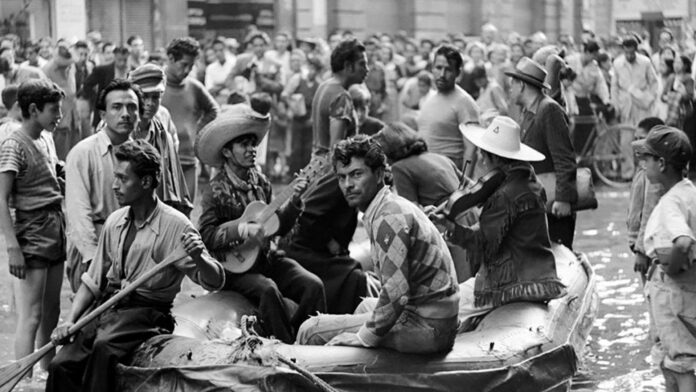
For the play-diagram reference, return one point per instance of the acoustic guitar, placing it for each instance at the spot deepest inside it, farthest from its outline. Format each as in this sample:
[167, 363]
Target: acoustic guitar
[242, 257]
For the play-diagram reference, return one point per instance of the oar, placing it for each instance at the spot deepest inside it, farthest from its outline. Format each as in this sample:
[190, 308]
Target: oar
[11, 374]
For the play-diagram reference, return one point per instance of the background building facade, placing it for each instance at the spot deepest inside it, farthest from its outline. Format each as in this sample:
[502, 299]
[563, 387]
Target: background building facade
[158, 21]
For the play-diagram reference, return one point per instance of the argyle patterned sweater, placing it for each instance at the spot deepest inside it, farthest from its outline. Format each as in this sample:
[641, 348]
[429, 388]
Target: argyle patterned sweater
[412, 262]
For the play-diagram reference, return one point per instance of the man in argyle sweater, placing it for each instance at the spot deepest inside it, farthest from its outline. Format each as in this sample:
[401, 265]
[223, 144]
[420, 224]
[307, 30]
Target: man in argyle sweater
[416, 311]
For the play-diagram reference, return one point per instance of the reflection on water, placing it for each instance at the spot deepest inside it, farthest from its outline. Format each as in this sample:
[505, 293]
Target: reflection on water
[617, 354]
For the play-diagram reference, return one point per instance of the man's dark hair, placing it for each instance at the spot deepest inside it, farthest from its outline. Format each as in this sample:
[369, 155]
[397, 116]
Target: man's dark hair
[591, 46]
[132, 38]
[81, 44]
[649, 123]
[144, 159]
[261, 102]
[217, 41]
[9, 96]
[120, 84]
[686, 60]
[347, 51]
[105, 45]
[121, 50]
[451, 54]
[39, 92]
[359, 146]
[602, 57]
[180, 47]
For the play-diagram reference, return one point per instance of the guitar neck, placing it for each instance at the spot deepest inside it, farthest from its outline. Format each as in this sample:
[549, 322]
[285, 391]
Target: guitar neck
[276, 203]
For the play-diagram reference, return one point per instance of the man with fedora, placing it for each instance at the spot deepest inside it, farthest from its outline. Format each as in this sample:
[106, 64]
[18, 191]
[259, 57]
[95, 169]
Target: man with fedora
[158, 129]
[230, 142]
[545, 128]
[511, 241]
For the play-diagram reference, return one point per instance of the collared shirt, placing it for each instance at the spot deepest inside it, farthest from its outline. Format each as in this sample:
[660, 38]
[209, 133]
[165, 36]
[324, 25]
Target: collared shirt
[216, 73]
[674, 216]
[412, 262]
[89, 178]
[154, 240]
[589, 80]
[634, 88]
[172, 185]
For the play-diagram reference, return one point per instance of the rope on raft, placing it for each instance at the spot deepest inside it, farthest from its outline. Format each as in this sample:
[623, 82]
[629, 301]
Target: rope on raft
[249, 347]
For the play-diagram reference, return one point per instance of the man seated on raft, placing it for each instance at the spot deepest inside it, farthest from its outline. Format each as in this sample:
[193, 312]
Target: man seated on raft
[416, 310]
[511, 241]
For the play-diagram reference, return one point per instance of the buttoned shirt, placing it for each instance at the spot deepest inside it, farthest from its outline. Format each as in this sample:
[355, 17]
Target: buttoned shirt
[89, 178]
[155, 239]
[412, 262]
[216, 73]
[589, 80]
[634, 88]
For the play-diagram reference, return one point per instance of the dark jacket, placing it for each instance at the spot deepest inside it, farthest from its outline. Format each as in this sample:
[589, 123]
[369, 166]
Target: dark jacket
[545, 129]
[95, 82]
[224, 201]
[512, 243]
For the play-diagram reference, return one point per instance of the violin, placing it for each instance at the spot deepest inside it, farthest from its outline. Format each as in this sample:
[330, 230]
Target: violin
[472, 195]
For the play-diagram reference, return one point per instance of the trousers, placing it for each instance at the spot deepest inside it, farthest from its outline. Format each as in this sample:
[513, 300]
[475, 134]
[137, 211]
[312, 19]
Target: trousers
[412, 333]
[89, 362]
[266, 285]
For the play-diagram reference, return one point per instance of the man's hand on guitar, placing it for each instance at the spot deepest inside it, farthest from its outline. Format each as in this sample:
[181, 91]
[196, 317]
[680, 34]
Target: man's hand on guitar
[299, 186]
[251, 230]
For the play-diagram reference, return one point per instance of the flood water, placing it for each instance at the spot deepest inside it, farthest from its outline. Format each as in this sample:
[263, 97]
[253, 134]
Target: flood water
[617, 354]
[616, 357]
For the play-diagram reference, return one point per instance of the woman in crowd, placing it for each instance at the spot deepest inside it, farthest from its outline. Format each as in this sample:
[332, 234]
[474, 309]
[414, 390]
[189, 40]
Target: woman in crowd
[679, 92]
[420, 176]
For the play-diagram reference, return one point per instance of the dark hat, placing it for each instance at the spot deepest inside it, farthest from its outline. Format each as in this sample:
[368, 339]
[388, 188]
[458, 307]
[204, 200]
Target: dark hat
[665, 142]
[530, 72]
[149, 77]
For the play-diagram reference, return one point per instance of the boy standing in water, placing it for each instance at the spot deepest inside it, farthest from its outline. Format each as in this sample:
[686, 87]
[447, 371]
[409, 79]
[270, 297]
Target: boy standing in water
[669, 241]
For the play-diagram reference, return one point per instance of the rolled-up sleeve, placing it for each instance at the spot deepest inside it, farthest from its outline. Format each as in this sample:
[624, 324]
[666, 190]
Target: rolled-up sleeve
[190, 268]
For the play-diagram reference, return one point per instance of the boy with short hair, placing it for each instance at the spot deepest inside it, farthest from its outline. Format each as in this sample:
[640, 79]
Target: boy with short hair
[13, 120]
[361, 98]
[642, 200]
[35, 238]
[669, 240]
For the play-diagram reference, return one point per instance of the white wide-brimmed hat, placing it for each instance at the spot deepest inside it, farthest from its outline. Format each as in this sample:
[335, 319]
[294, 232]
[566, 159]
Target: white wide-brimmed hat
[502, 138]
[232, 122]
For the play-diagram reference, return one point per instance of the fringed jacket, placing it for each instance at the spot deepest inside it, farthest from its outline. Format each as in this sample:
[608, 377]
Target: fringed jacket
[512, 243]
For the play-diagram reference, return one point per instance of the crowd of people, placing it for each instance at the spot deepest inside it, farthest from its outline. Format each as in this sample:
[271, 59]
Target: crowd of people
[103, 147]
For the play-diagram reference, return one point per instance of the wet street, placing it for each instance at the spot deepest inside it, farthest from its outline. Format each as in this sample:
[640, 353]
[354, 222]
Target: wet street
[617, 353]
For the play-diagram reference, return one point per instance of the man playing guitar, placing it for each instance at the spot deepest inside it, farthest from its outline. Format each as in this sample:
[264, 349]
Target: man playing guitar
[230, 142]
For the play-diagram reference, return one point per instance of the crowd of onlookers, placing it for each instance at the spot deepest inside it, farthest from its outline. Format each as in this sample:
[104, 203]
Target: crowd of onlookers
[628, 87]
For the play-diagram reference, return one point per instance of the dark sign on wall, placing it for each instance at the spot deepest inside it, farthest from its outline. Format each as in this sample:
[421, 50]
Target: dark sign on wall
[229, 18]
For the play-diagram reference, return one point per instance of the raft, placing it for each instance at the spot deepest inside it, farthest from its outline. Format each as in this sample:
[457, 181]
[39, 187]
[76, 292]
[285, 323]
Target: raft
[517, 347]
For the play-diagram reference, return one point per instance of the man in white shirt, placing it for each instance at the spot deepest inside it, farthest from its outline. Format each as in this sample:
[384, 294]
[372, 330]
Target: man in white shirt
[217, 71]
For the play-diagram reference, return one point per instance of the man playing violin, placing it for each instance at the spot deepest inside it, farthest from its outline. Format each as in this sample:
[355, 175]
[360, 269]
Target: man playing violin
[511, 242]
[230, 141]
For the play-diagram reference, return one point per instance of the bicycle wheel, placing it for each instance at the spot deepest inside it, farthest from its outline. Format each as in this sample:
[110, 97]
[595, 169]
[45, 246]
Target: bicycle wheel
[608, 162]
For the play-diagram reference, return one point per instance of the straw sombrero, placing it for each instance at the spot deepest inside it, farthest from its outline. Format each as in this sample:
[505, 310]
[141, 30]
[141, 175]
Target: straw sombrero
[502, 138]
[233, 121]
